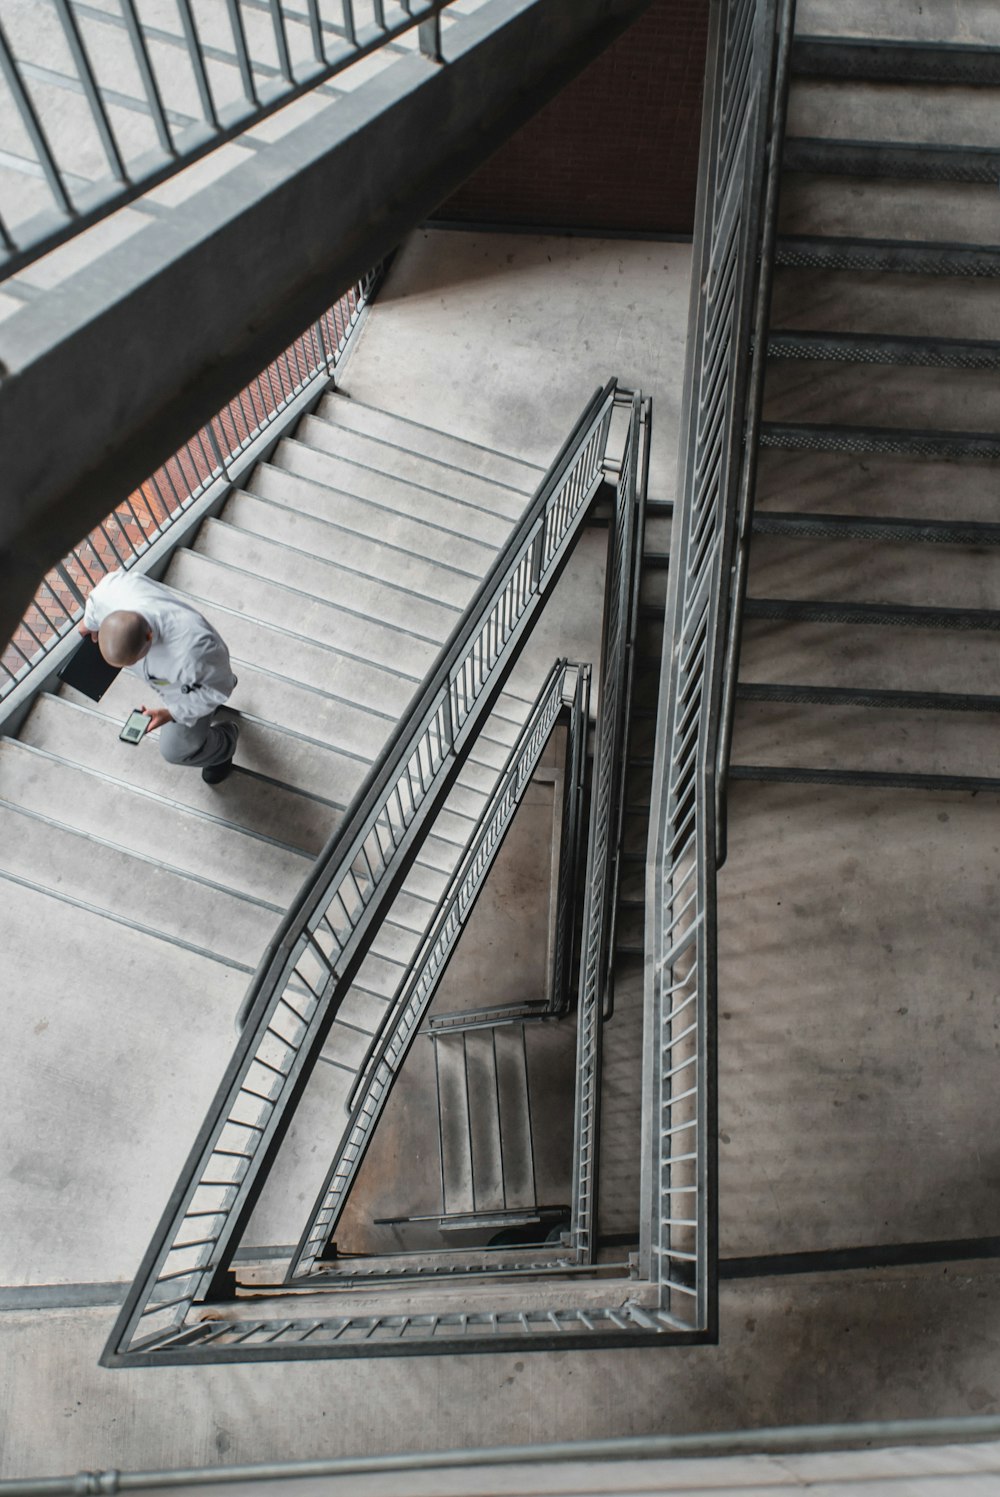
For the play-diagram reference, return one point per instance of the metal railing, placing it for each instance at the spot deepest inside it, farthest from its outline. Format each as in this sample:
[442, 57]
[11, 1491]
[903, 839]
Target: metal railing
[167, 496]
[596, 953]
[155, 98]
[679, 1248]
[567, 686]
[313, 957]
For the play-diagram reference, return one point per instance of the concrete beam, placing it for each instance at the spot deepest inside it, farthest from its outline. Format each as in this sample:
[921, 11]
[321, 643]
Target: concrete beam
[107, 375]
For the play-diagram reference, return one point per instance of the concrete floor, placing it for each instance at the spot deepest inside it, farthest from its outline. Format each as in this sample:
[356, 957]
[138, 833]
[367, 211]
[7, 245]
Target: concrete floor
[504, 338]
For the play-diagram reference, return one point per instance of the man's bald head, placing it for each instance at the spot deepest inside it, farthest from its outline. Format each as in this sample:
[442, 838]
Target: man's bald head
[124, 637]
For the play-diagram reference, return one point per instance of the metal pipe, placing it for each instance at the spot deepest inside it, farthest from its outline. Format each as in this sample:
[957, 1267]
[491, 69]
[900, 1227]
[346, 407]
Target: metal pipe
[804, 1439]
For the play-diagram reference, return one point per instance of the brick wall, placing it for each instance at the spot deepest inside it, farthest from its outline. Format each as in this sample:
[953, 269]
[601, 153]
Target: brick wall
[617, 149]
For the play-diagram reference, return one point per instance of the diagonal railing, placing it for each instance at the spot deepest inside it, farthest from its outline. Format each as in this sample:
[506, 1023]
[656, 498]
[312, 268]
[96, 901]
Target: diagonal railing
[605, 829]
[313, 957]
[741, 123]
[270, 404]
[401, 1022]
[233, 75]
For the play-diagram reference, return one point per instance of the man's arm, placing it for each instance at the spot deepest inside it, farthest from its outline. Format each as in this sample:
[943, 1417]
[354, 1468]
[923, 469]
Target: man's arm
[206, 681]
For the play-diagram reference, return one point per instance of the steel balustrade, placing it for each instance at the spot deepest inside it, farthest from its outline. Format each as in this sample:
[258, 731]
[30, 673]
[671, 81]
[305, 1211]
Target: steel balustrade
[679, 1248]
[266, 405]
[596, 953]
[312, 959]
[303, 47]
[401, 1022]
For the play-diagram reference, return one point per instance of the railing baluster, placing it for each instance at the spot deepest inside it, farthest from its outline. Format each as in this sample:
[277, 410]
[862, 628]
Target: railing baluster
[147, 76]
[36, 134]
[91, 89]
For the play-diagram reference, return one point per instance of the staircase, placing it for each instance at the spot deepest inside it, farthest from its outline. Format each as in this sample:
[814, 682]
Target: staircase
[868, 653]
[485, 1129]
[621, 1106]
[335, 576]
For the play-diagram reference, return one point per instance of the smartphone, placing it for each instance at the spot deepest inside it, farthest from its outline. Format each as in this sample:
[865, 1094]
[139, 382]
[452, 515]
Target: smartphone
[135, 727]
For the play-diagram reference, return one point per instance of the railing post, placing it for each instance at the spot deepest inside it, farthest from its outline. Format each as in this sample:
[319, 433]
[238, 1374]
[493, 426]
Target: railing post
[429, 37]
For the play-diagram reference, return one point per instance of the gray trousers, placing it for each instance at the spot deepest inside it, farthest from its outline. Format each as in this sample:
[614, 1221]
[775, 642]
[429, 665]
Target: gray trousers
[199, 746]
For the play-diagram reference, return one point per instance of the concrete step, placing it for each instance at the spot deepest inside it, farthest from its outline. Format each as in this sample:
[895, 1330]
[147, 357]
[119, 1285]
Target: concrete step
[425, 473]
[880, 739]
[895, 62]
[909, 305]
[881, 349]
[845, 109]
[444, 447]
[392, 495]
[892, 255]
[358, 554]
[875, 209]
[104, 806]
[974, 22]
[899, 487]
[327, 623]
[120, 1043]
[944, 444]
[850, 394]
[453, 1110]
[415, 612]
[859, 654]
[282, 651]
[374, 521]
[87, 734]
[891, 161]
[144, 893]
[288, 733]
[856, 571]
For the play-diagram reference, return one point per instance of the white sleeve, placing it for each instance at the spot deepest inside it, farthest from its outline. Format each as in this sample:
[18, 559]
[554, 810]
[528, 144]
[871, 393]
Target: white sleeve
[208, 678]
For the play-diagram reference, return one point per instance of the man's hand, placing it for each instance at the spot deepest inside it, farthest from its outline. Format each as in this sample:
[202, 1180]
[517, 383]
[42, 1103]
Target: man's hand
[157, 717]
[82, 629]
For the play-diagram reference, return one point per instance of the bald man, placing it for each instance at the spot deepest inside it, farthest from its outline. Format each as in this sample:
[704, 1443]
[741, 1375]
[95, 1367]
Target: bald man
[141, 626]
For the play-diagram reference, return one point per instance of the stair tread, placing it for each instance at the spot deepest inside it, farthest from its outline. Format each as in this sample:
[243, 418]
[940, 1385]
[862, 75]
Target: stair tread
[269, 557]
[446, 446]
[87, 741]
[884, 737]
[132, 1012]
[413, 532]
[874, 208]
[336, 543]
[391, 495]
[147, 893]
[428, 473]
[274, 602]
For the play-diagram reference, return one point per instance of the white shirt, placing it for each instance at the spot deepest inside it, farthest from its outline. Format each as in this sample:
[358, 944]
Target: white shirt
[187, 663]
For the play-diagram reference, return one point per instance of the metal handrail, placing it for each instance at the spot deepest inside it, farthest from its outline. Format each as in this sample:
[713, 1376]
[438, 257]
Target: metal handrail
[398, 1028]
[679, 1228]
[602, 850]
[330, 45]
[452, 900]
[130, 532]
[323, 938]
[755, 401]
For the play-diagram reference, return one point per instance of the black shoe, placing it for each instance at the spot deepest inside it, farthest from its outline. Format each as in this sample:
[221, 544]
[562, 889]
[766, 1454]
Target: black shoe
[214, 774]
